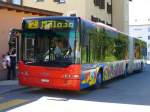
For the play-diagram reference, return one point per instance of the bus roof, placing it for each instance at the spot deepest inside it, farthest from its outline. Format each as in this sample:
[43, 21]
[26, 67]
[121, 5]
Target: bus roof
[50, 17]
[103, 25]
[106, 26]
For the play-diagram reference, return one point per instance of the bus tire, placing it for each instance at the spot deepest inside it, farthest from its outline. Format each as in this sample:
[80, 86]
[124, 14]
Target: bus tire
[125, 71]
[99, 78]
[142, 67]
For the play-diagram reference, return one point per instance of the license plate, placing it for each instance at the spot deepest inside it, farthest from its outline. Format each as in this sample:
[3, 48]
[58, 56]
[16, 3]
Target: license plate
[45, 80]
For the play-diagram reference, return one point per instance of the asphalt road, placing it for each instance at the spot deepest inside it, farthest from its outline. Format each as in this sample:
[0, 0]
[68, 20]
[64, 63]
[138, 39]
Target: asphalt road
[125, 95]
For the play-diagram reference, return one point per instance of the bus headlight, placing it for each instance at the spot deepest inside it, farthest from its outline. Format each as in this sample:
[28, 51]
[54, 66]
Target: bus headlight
[76, 76]
[66, 76]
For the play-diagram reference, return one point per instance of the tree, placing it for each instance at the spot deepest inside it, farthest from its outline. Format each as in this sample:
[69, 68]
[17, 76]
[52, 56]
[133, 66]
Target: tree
[102, 44]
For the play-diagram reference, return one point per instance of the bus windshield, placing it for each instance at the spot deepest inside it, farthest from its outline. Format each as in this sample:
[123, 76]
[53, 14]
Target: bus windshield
[49, 47]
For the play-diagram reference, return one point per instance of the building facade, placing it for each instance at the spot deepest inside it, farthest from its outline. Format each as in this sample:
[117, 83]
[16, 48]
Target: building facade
[96, 10]
[111, 12]
[120, 15]
[142, 32]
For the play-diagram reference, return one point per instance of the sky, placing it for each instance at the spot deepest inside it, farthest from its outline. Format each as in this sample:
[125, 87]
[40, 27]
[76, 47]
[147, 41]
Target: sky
[139, 12]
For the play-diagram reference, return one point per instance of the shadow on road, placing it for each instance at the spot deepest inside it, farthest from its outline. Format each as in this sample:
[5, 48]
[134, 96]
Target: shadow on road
[134, 89]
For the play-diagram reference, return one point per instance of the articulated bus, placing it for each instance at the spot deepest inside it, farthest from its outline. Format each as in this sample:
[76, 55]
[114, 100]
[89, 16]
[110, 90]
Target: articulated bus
[71, 53]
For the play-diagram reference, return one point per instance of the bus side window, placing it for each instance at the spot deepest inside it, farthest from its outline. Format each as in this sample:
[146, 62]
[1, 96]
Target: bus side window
[85, 54]
[84, 44]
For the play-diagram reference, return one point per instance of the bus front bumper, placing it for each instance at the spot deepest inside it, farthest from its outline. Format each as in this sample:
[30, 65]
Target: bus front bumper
[63, 84]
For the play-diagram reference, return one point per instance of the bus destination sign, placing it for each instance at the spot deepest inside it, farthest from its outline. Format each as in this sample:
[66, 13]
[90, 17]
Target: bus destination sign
[49, 24]
[32, 24]
[53, 24]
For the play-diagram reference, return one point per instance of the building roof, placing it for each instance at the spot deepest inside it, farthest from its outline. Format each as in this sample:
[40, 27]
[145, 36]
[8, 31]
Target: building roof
[25, 9]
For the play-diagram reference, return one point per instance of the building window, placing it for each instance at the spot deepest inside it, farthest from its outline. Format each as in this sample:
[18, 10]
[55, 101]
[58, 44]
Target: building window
[100, 3]
[102, 21]
[137, 29]
[109, 8]
[109, 24]
[9, 1]
[74, 14]
[60, 1]
[148, 37]
[96, 2]
[96, 19]
[18, 2]
[135, 20]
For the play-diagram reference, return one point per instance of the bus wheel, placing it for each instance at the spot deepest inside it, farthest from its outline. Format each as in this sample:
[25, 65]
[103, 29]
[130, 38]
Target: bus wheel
[142, 67]
[99, 78]
[125, 72]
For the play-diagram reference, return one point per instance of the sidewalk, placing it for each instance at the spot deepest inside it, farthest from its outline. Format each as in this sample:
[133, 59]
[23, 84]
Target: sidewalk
[9, 85]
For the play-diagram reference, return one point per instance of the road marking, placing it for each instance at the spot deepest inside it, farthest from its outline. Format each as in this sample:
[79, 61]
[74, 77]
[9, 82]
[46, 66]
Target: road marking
[11, 103]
